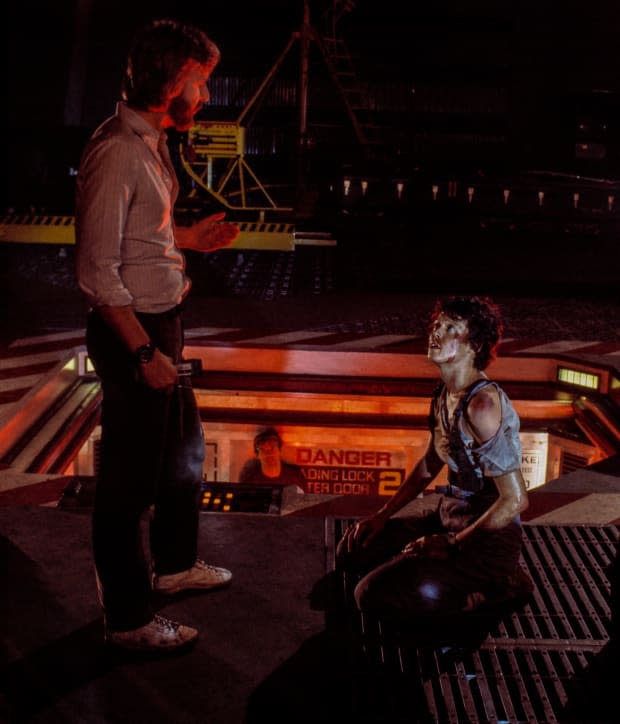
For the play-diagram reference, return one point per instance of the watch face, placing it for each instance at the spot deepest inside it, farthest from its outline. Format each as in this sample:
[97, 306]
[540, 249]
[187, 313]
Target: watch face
[145, 353]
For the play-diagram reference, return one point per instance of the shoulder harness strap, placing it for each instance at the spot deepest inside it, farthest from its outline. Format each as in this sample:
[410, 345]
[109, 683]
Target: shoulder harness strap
[470, 475]
[432, 417]
[475, 387]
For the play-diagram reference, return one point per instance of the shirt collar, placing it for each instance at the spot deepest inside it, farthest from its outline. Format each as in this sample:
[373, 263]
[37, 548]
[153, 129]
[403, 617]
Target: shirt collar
[140, 126]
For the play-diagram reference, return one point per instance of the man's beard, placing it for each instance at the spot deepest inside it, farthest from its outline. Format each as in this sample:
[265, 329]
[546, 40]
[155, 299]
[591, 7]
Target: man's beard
[181, 113]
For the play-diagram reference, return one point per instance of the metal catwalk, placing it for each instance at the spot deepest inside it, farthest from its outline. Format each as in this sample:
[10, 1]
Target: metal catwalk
[549, 660]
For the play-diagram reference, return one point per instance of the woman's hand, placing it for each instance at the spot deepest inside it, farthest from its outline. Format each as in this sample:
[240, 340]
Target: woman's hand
[438, 545]
[359, 534]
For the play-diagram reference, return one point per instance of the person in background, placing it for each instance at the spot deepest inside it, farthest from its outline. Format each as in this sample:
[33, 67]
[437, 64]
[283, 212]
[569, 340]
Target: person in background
[466, 553]
[268, 465]
[131, 268]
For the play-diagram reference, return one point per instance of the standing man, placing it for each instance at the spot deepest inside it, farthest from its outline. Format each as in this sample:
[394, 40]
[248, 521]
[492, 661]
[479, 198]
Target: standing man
[131, 268]
[466, 553]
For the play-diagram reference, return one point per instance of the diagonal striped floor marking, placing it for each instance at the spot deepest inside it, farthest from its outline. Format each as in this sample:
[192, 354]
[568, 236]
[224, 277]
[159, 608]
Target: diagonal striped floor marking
[569, 345]
[373, 342]
[39, 358]
[288, 337]
[44, 338]
[26, 360]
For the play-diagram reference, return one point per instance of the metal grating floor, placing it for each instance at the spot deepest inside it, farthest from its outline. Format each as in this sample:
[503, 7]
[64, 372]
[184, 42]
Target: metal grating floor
[549, 661]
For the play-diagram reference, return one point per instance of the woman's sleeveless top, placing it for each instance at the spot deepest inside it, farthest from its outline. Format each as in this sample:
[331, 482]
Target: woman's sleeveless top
[473, 466]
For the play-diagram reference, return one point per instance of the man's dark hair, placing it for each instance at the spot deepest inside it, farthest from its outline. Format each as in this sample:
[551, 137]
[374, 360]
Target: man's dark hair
[484, 323]
[267, 434]
[159, 52]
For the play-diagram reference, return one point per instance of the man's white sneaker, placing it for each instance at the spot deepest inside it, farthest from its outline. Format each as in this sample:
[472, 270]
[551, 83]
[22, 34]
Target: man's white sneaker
[160, 634]
[200, 576]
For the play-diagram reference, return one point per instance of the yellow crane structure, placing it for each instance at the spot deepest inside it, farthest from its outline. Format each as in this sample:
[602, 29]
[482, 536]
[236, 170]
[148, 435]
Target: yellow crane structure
[210, 143]
[215, 145]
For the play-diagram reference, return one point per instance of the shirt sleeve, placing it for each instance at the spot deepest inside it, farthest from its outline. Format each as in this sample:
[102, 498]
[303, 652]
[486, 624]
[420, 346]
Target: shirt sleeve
[105, 185]
[502, 453]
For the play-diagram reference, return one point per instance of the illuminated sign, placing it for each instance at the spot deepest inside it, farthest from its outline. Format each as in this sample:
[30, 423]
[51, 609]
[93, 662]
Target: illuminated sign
[353, 461]
[352, 481]
[351, 471]
[579, 378]
[534, 454]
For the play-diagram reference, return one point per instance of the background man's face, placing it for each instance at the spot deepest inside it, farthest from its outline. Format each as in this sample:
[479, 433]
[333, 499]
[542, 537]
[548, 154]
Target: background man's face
[268, 449]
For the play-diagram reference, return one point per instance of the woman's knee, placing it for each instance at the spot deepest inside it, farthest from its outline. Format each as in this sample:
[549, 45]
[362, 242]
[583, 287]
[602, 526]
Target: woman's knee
[397, 598]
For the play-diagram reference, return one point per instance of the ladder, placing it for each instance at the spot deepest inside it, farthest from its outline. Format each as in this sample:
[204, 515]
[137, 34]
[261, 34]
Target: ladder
[344, 74]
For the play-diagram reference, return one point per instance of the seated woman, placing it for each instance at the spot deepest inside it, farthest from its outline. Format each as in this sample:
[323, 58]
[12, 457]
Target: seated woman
[467, 551]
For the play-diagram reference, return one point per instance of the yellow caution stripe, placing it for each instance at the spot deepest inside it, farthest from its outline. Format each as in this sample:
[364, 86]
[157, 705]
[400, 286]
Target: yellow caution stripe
[42, 229]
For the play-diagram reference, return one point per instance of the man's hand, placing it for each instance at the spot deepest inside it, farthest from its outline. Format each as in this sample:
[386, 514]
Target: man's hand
[208, 234]
[160, 373]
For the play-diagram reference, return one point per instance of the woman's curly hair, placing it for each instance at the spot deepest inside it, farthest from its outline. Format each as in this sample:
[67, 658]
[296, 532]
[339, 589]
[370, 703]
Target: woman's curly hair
[484, 323]
[159, 53]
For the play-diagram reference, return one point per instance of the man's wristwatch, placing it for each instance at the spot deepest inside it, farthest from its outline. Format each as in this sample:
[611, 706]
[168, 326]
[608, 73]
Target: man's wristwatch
[144, 353]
